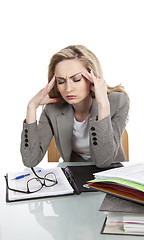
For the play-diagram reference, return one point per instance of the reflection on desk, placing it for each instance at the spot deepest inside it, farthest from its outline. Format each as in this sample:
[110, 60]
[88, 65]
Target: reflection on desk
[71, 217]
[75, 217]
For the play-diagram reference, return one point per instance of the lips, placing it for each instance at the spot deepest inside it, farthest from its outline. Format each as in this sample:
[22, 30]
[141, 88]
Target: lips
[70, 97]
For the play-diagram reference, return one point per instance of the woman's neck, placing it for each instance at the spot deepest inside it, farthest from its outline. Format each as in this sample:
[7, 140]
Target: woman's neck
[82, 109]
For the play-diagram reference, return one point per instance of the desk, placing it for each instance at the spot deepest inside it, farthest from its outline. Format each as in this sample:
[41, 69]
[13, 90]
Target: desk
[75, 217]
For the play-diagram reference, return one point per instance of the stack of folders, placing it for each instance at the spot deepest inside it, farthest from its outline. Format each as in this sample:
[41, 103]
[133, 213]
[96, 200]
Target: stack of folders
[125, 182]
[122, 216]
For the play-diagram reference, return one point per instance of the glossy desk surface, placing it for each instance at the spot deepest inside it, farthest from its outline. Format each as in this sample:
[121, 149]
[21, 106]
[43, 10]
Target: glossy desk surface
[74, 217]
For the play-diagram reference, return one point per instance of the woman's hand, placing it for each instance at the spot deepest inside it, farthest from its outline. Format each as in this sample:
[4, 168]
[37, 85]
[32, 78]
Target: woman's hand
[41, 98]
[99, 87]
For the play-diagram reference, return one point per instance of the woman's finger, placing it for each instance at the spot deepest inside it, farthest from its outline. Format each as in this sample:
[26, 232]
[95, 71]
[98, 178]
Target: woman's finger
[87, 75]
[93, 76]
[51, 84]
[47, 100]
[54, 100]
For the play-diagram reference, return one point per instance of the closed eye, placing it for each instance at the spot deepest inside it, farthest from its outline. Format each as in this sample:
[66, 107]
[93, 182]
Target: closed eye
[60, 80]
[77, 78]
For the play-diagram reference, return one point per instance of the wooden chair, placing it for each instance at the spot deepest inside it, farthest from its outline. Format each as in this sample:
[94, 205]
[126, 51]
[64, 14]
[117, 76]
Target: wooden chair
[53, 154]
[125, 144]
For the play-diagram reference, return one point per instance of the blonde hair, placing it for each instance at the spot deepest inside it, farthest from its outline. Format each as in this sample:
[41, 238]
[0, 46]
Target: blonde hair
[89, 60]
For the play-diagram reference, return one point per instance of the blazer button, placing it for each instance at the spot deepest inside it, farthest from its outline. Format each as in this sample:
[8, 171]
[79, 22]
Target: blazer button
[26, 136]
[94, 139]
[93, 134]
[92, 128]
[26, 140]
[26, 131]
[95, 143]
[26, 145]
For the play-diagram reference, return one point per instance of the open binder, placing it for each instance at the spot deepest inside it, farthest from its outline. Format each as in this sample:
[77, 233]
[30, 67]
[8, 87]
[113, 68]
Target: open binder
[70, 181]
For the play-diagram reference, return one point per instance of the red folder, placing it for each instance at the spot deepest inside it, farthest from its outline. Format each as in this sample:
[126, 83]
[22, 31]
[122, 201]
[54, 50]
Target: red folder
[119, 191]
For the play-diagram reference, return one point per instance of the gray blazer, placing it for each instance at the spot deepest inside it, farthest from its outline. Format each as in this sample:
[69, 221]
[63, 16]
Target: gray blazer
[57, 120]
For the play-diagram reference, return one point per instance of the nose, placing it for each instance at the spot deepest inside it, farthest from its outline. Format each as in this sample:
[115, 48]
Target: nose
[69, 85]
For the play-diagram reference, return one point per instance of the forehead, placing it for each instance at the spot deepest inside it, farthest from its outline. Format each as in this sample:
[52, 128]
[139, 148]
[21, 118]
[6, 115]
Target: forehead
[68, 68]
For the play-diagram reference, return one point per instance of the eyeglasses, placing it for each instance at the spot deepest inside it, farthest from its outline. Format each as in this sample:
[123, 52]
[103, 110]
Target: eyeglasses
[35, 184]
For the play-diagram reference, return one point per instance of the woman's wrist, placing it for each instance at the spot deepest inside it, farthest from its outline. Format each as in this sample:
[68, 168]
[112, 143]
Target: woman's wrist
[32, 105]
[103, 110]
[31, 113]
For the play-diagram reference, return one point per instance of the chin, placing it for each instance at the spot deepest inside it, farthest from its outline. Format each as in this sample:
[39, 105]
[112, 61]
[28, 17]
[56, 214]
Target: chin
[72, 101]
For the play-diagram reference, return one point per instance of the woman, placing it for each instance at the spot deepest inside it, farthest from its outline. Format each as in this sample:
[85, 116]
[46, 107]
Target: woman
[86, 117]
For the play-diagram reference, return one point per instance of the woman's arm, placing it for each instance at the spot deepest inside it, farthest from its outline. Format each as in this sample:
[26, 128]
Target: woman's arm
[108, 129]
[108, 132]
[33, 148]
[35, 139]
[41, 98]
[99, 87]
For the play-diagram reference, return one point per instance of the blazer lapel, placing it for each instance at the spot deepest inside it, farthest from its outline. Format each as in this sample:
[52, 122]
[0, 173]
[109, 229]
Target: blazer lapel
[65, 130]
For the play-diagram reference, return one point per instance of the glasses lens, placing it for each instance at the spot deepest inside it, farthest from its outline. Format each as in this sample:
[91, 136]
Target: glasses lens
[34, 185]
[50, 179]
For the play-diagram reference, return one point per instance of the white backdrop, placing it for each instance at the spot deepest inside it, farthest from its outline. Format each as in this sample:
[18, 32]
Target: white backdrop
[33, 30]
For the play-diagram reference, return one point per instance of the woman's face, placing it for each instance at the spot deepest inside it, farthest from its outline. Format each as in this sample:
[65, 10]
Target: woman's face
[72, 86]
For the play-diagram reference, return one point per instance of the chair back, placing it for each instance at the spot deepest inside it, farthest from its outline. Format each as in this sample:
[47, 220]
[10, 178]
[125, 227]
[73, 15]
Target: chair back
[53, 154]
[125, 144]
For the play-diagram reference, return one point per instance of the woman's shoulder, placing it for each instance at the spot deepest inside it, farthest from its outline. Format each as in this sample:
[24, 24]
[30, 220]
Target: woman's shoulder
[121, 97]
[118, 100]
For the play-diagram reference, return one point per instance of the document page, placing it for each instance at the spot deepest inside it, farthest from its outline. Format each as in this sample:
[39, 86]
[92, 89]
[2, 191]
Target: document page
[61, 188]
[133, 173]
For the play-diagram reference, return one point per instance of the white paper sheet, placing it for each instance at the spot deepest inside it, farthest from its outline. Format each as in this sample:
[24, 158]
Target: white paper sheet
[61, 188]
[133, 173]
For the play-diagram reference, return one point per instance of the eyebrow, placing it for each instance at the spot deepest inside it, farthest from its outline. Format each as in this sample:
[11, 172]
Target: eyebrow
[69, 77]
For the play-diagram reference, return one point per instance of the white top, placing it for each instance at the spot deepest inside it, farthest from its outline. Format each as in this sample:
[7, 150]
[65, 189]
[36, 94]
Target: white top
[80, 143]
